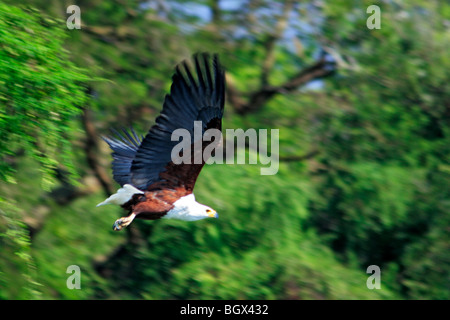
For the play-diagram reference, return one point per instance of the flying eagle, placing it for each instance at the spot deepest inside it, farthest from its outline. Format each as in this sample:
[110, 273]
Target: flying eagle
[153, 186]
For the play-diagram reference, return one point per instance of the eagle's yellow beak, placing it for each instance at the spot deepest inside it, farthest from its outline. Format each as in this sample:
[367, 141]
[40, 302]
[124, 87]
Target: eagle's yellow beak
[212, 213]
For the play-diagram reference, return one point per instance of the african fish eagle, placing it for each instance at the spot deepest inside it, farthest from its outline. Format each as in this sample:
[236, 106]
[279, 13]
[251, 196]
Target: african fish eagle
[152, 185]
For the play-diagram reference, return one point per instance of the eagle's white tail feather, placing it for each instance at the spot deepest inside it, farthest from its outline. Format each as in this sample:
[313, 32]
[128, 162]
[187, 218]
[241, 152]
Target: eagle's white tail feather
[122, 195]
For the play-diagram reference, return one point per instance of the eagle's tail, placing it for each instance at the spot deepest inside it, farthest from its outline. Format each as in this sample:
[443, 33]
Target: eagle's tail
[122, 196]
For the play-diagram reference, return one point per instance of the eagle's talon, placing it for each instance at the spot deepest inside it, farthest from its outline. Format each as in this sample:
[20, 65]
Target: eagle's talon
[117, 225]
[123, 222]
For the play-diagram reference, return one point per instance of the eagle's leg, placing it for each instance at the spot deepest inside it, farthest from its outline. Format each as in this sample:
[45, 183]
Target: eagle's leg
[123, 222]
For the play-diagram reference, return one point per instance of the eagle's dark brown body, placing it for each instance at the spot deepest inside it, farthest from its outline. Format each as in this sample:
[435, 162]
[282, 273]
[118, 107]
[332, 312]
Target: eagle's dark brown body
[153, 205]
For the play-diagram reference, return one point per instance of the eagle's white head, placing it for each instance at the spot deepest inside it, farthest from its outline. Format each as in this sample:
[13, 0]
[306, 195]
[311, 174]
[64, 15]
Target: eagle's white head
[187, 209]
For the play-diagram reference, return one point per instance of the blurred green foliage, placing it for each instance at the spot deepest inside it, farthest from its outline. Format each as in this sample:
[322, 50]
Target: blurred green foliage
[373, 191]
[41, 91]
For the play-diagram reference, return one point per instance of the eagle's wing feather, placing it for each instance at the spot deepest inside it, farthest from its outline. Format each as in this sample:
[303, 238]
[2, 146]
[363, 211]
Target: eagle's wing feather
[189, 100]
[124, 146]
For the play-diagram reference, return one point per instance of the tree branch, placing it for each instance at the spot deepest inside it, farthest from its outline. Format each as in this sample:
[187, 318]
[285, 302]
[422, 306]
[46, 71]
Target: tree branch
[321, 69]
[281, 25]
[91, 151]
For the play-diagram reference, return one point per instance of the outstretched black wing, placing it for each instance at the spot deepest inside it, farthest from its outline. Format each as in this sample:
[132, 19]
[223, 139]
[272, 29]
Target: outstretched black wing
[124, 146]
[199, 98]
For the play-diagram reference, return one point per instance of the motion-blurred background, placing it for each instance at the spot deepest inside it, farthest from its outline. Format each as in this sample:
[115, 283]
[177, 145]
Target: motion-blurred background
[364, 170]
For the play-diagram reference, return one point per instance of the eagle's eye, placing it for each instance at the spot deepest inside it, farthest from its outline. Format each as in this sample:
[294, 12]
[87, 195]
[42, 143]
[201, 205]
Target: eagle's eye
[212, 213]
